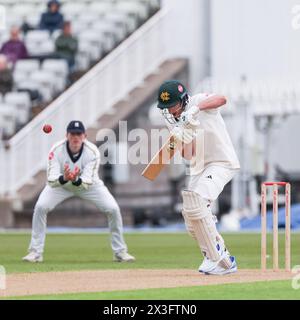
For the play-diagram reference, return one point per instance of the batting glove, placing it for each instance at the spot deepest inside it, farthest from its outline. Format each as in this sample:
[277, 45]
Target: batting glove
[188, 118]
[184, 135]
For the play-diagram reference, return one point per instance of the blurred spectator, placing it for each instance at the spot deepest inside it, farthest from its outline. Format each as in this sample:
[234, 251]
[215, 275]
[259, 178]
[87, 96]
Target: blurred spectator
[14, 49]
[67, 45]
[6, 76]
[25, 27]
[52, 19]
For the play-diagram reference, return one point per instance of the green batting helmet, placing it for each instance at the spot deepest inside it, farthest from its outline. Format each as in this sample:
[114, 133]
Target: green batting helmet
[170, 93]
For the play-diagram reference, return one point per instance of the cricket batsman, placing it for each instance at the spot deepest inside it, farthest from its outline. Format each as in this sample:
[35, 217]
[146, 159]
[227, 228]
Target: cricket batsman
[73, 171]
[188, 117]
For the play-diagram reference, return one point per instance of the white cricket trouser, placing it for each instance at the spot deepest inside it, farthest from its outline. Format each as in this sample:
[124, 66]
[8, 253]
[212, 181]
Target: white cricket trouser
[98, 194]
[211, 182]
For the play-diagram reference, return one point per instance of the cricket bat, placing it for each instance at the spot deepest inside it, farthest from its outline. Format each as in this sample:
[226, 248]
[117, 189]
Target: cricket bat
[162, 157]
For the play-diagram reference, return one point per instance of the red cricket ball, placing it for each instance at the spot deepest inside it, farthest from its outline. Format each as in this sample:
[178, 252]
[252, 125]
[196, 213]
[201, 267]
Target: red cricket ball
[47, 128]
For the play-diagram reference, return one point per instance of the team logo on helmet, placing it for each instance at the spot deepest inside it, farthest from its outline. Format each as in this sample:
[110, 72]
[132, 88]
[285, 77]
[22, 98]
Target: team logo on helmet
[180, 88]
[51, 156]
[165, 96]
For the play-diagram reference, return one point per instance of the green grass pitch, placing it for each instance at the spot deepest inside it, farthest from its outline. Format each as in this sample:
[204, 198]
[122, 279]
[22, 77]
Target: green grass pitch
[153, 251]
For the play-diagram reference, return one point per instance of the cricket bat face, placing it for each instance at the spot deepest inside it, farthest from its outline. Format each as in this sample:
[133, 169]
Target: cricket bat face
[162, 157]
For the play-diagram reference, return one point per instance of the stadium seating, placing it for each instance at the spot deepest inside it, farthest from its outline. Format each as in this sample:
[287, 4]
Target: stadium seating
[27, 66]
[21, 102]
[99, 25]
[46, 81]
[60, 70]
[8, 119]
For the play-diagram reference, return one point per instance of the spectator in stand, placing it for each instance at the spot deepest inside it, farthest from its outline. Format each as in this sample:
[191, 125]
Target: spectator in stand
[67, 45]
[14, 49]
[6, 76]
[52, 19]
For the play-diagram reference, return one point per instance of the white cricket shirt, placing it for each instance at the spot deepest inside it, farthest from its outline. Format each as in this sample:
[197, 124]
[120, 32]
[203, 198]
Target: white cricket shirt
[214, 146]
[88, 161]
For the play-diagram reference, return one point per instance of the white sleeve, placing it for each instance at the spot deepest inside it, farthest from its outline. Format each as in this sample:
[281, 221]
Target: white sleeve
[53, 170]
[90, 171]
[198, 98]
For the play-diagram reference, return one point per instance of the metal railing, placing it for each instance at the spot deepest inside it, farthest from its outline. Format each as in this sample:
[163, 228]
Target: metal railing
[89, 98]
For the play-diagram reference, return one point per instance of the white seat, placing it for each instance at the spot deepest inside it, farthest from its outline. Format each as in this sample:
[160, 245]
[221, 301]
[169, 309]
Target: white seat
[91, 36]
[79, 26]
[47, 47]
[33, 48]
[109, 28]
[84, 55]
[154, 4]
[32, 87]
[19, 76]
[47, 82]
[60, 68]
[120, 29]
[41, 7]
[134, 8]
[33, 19]
[101, 7]
[87, 18]
[74, 9]
[33, 2]
[11, 20]
[37, 36]
[18, 98]
[29, 84]
[21, 100]
[108, 37]
[70, 17]
[8, 118]
[95, 40]
[27, 66]
[119, 17]
[4, 35]
[9, 2]
[43, 48]
[22, 9]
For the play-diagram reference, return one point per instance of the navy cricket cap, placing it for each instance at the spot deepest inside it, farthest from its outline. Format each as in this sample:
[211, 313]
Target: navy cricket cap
[75, 126]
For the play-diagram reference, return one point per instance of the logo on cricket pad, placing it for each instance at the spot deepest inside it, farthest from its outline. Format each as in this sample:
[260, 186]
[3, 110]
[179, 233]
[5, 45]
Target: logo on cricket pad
[165, 96]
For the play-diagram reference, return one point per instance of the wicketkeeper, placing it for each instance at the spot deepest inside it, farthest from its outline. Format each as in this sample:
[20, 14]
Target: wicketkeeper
[196, 122]
[73, 166]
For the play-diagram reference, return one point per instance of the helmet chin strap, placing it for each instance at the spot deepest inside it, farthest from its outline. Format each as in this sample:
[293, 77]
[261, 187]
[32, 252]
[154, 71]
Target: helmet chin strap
[169, 116]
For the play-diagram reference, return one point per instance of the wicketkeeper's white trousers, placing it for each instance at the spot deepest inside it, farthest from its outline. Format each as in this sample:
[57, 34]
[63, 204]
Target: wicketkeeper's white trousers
[98, 194]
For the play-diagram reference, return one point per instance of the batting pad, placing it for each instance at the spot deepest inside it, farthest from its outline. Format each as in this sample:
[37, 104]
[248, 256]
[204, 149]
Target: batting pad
[197, 211]
[189, 226]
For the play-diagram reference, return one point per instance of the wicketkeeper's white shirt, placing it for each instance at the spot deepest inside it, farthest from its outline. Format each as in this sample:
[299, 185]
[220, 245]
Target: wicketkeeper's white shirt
[88, 162]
